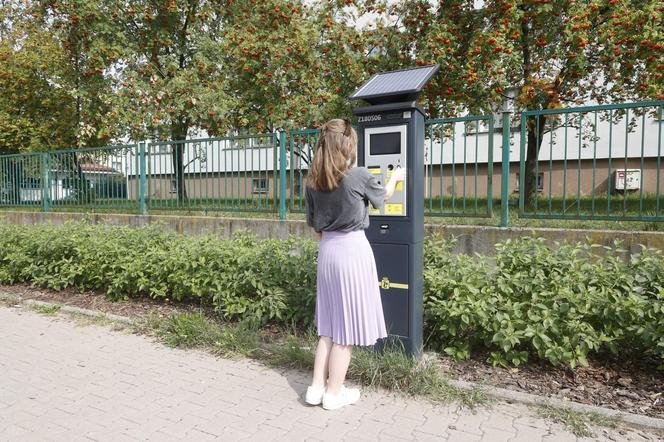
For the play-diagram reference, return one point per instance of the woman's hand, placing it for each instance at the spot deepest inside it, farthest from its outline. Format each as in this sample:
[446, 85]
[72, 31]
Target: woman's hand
[319, 236]
[398, 174]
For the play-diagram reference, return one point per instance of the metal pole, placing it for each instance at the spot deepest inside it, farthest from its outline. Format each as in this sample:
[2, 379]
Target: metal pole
[282, 175]
[505, 172]
[142, 185]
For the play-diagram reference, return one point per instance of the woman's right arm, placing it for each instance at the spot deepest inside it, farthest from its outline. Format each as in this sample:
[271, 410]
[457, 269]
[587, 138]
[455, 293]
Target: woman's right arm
[398, 174]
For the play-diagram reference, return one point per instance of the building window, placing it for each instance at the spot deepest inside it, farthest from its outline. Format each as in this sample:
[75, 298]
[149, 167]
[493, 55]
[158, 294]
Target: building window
[162, 149]
[540, 182]
[261, 185]
[174, 186]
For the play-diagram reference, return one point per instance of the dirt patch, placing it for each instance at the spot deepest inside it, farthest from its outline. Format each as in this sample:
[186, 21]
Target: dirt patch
[635, 387]
[140, 308]
[626, 386]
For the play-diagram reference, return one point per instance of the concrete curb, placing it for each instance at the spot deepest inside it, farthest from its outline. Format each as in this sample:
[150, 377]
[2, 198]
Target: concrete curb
[633, 420]
[68, 309]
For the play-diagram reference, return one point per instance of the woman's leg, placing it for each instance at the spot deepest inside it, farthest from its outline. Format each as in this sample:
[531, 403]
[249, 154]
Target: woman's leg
[338, 366]
[321, 362]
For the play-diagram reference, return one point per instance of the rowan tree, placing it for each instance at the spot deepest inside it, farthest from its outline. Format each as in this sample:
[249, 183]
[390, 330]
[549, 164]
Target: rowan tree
[554, 52]
[289, 64]
[34, 108]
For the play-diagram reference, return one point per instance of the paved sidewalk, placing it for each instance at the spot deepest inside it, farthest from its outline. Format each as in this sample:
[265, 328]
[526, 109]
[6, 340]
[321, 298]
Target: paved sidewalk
[60, 381]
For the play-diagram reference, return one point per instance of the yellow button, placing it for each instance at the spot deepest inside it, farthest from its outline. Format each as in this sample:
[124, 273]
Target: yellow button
[375, 171]
[399, 187]
[394, 209]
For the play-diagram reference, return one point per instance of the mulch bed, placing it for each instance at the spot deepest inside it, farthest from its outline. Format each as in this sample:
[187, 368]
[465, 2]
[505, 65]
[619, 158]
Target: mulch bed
[140, 308]
[635, 387]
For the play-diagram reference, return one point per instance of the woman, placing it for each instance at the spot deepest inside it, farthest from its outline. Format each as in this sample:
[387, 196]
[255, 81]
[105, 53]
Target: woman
[348, 306]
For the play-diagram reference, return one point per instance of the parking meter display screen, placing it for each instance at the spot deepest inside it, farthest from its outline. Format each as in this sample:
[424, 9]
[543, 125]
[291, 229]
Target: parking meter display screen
[385, 143]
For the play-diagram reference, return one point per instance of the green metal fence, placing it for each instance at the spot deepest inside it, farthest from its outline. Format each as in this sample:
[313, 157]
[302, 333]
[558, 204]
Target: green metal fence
[88, 178]
[231, 174]
[21, 180]
[458, 157]
[592, 163]
[596, 162]
[91, 178]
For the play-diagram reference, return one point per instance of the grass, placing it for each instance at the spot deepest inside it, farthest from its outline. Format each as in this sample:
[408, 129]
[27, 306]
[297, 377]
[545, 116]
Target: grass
[48, 309]
[391, 370]
[193, 330]
[293, 350]
[577, 422]
[395, 371]
[630, 202]
[205, 207]
[7, 300]
[249, 213]
[515, 221]
[82, 320]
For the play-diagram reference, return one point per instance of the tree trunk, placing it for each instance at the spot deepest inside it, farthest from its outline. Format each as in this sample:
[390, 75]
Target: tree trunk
[83, 187]
[535, 132]
[179, 132]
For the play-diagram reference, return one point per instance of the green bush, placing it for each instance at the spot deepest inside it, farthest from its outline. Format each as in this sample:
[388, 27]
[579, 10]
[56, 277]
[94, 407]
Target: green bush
[244, 278]
[558, 304]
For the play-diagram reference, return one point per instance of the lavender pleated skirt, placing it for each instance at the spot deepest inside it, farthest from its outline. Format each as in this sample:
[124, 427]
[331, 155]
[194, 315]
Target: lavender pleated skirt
[348, 305]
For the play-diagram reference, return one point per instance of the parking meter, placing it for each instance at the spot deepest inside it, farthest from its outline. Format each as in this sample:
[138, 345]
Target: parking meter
[390, 136]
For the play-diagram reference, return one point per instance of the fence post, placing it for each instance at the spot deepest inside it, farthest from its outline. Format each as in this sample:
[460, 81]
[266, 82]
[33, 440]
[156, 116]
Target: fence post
[282, 174]
[505, 172]
[142, 185]
[46, 182]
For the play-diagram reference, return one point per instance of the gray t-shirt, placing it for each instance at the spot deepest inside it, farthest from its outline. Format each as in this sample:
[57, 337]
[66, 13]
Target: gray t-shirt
[345, 208]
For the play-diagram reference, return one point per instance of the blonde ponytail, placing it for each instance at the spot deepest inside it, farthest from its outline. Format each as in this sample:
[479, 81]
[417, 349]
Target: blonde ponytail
[335, 153]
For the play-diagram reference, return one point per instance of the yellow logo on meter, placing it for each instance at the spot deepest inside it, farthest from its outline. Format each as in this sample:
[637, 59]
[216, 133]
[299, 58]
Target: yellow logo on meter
[385, 284]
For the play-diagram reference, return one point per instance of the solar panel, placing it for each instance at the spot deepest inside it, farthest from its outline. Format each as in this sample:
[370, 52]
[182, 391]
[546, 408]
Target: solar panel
[406, 82]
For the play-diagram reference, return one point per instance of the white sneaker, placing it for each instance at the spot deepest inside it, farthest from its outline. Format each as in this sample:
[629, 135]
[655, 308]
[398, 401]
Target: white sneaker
[314, 396]
[346, 396]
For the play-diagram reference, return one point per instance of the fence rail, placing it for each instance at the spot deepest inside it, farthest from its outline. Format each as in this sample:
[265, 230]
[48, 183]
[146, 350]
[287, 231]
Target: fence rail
[584, 163]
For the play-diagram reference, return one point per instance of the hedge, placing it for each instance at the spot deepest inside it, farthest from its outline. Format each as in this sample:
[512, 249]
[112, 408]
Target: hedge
[559, 304]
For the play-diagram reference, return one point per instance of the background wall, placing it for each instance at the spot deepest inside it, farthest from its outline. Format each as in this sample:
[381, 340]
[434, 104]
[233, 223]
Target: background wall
[471, 239]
